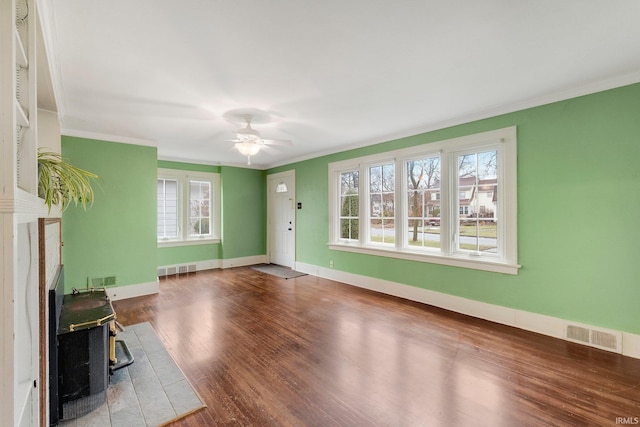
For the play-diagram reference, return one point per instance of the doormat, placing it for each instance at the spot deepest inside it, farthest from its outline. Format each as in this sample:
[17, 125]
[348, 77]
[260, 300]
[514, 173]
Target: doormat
[151, 392]
[278, 270]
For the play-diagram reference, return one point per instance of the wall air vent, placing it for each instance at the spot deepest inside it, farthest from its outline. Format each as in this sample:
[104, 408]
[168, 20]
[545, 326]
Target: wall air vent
[594, 337]
[95, 282]
[578, 333]
[101, 282]
[177, 269]
[604, 339]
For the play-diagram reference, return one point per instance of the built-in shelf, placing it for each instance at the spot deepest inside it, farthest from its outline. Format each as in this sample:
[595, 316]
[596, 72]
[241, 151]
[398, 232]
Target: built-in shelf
[21, 115]
[21, 54]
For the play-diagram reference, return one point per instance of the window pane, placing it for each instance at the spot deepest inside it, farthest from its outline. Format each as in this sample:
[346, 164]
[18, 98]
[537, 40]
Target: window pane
[349, 182]
[468, 235]
[382, 203]
[171, 187]
[349, 205]
[388, 178]
[194, 190]
[388, 205]
[389, 232]
[423, 202]
[478, 202]
[199, 208]
[281, 187]
[375, 179]
[376, 206]
[167, 208]
[349, 229]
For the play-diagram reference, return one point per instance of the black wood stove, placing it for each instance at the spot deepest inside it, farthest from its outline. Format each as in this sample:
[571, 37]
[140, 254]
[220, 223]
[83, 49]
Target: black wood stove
[86, 352]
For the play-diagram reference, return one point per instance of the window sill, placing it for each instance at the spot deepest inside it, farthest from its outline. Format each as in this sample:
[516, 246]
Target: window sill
[463, 260]
[174, 243]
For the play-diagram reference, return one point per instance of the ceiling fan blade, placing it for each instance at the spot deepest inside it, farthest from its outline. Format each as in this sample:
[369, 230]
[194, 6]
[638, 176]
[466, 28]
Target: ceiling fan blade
[268, 149]
[282, 142]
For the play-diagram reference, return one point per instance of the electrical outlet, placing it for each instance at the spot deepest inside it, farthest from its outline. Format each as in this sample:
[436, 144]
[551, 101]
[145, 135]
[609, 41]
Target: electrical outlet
[331, 264]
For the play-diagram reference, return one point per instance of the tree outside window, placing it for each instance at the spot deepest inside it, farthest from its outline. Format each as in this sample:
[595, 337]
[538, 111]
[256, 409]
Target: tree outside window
[200, 208]
[423, 182]
[349, 205]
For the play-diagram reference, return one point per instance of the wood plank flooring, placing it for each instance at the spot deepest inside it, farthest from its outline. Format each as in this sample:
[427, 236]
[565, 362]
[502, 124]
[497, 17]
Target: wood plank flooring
[264, 351]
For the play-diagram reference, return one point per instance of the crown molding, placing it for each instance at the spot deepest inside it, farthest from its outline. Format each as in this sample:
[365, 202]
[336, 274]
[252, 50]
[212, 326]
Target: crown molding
[549, 98]
[210, 163]
[108, 137]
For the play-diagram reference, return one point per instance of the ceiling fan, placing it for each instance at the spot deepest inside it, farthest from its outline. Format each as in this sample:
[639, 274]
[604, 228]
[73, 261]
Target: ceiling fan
[249, 142]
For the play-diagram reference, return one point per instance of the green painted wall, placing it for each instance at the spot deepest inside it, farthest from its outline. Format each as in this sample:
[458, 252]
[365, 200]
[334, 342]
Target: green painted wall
[165, 164]
[117, 235]
[244, 212]
[186, 254]
[578, 204]
[243, 216]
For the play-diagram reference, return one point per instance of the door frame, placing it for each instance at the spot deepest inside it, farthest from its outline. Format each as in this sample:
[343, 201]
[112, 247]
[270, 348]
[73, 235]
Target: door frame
[49, 251]
[270, 178]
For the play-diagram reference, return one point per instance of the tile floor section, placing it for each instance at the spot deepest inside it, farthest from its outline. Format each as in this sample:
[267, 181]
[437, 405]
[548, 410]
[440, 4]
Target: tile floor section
[147, 393]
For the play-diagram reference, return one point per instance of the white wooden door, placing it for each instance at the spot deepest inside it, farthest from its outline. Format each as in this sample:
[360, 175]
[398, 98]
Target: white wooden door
[281, 233]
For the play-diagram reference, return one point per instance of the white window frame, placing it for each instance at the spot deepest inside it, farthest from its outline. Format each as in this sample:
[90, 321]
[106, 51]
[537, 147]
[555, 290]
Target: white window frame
[164, 209]
[367, 202]
[504, 261]
[339, 217]
[184, 178]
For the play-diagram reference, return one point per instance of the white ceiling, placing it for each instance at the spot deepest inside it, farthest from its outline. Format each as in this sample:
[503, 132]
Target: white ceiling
[327, 74]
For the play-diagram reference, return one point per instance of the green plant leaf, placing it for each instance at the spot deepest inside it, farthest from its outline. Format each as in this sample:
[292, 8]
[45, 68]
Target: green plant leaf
[61, 183]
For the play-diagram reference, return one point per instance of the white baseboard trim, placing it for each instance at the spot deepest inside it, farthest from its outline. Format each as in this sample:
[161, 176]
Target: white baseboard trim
[132, 291]
[190, 267]
[241, 262]
[534, 322]
[631, 345]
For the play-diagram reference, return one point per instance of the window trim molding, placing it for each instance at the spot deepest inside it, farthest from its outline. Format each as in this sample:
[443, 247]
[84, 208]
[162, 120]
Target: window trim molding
[503, 262]
[183, 177]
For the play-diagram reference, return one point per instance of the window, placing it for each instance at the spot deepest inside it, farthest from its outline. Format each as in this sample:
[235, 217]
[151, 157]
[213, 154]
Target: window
[167, 208]
[281, 187]
[188, 205]
[410, 206]
[477, 232]
[199, 208]
[382, 203]
[349, 205]
[423, 202]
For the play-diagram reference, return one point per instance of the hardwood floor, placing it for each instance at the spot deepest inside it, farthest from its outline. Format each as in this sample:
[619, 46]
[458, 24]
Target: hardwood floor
[264, 351]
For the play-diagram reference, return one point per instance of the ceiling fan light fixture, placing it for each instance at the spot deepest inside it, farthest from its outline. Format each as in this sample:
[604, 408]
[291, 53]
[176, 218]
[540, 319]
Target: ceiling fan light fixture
[248, 133]
[248, 148]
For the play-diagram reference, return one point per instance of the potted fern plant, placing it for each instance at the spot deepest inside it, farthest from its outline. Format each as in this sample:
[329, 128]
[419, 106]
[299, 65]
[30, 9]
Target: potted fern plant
[61, 183]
